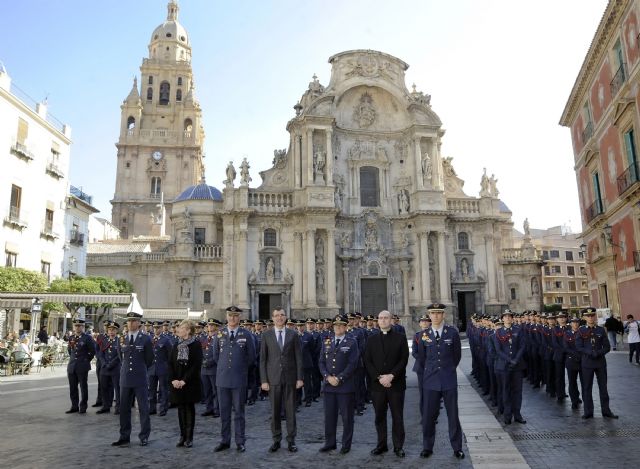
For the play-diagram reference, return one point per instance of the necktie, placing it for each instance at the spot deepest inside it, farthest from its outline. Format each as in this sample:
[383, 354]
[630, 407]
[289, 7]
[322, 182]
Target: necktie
[437, 335]
[280, 340]
[337, 342]
[131, 341]
[233, 335]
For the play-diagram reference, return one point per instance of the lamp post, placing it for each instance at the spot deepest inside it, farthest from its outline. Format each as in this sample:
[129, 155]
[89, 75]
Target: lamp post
[36, 308]
[608, 235]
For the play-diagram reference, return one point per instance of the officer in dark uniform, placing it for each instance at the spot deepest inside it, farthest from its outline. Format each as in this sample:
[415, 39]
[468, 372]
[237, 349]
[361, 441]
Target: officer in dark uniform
[316, 377]
[234, 352]
[338, 362]
[397, 327]
[425, 324]
[440, 356]
[558, 355]
[573, 362]
[256, 392]
[136, 355]
[81, 349]
[593, 343]
[308, 343]
[509, 343]
[159, 371]
[209, 369]
[100, 337]
[109, 354]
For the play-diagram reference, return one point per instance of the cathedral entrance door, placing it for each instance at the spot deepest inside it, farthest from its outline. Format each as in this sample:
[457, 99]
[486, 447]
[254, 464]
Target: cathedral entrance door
[373, 295]
[466, 307]
[267, 303]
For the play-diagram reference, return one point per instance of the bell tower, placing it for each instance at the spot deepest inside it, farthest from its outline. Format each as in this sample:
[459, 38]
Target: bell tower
[161, 135]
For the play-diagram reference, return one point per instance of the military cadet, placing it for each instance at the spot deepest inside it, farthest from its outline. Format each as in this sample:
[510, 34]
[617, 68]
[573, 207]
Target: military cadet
[339, 358]
[256, 392]
[209, 370]
[234, 352]
[252, 383]
[558, 355]
[573, 362]
[316, 377]
[425, 324]
[593, 343]
[397, 327]
[136, 355]
[509, 344]
[308, 343]
[159, 372]
[98, 339]
[359, 375]
[81, 349]
[109, 354]
[494, 392]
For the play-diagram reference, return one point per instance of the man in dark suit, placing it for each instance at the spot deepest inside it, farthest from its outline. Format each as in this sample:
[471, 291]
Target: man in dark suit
[385, 358]
[281, 372]
[440, 355]
[136, 357]
[82, 349]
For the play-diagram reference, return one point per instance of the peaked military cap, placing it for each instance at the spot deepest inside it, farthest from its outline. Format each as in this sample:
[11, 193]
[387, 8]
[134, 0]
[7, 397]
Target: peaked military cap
[574, 319]
[561, 314]
[259, 322]
[233, 310]
[340, 319]
[78, 321]
[588, 311]
[424, 317]
[436, 307]
[133, 315]
[507, 312]
[311, 320]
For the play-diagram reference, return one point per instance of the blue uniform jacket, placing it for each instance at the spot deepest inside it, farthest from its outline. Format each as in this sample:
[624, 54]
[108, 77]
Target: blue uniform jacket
[209, 365]
[557, 340]
[233, 357]
[510, 347]
[417, 352]
[573, 357]
[341, 362]
[109, 355]
[593, 343]
[136, 358]
[162, 346]
[82, 349]
[440, 359]
[308, 343]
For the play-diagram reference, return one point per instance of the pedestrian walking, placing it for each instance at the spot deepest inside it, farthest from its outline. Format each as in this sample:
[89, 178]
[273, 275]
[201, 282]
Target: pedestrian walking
[632, 328]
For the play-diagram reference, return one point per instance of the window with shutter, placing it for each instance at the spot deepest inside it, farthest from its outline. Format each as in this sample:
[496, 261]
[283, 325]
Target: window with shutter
[369, 187]
[23, 131]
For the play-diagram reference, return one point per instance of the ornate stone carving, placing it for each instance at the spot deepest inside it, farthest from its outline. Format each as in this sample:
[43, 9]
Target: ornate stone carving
[320, 279]
[279, 178]
[364, 113]
[319, 161]
[403, 201]
[493, 189]
[427, 167]
[245, 179]
[371, 234]
[485, 190]
[369, 66]
[315, 88]
[345, 240]
[185, 289]
[319, 249]
[419, 97]
[400, 150]
[270, 270]
[231, 175]
[279, 158]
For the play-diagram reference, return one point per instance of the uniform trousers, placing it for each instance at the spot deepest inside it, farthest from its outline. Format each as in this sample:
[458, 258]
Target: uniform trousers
[98, 375]
[587, 389]
[210, 393]
[308, 385]
[430, 415]
[159, 392]
[127, 395]
[558, 370]
[78, 379]
[232, 399]
[343, 403]
[511, 393]
[572, 375]
[394, 400]
[110, 385]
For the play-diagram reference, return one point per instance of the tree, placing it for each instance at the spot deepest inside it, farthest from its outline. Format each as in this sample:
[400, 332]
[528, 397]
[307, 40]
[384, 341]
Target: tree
[15, 279]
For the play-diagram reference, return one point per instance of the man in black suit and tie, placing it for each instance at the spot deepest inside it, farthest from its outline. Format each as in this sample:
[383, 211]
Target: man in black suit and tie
[281, 372]
[385, 358]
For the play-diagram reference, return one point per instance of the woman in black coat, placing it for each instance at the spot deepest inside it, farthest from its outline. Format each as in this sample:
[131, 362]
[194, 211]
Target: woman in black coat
[184, 376]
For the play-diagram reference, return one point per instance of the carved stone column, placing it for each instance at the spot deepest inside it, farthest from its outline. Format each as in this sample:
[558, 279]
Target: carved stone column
[228, 256]
[345, 286]
[241, 270]
[309, 156]
[425, 285]
[405, 289]
[310, 272]
[298, 256]
[331, 270]
[445, 291]
[491, 269]
[305, 267]
[329, 162]
[418, 154]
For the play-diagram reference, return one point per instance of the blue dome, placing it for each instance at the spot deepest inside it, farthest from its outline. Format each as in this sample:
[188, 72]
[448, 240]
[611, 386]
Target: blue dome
[200, 192]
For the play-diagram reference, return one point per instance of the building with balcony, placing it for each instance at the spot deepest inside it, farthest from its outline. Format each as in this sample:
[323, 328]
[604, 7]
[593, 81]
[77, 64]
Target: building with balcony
[603, 116]
[79, 209]
[33, 182]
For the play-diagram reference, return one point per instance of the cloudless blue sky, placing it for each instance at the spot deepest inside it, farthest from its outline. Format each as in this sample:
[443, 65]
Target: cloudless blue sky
[499, 73]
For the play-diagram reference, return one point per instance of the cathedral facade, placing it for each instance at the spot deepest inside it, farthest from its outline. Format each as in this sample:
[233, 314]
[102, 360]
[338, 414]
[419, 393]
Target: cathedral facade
[362, 212]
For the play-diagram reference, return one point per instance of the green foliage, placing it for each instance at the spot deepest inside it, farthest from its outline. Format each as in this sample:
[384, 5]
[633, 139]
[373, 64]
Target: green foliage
[14, 279]
[553, 308]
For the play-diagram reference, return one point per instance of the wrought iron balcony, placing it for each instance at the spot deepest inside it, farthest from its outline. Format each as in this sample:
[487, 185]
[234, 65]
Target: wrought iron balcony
[54, 170]
[76, 238]
[594, 210]
[587, 133]
[627, 178]
[47, 230]
[21, 151]
[80, 194]
[618, 80]
[13, 219]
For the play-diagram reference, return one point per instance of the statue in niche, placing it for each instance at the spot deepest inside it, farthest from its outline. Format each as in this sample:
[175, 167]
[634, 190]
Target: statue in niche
[270, 270]
[371, 235]
[288, 278]
[493, 189]
[404, 201]
[345, 240]
[319, 250]
[185, 289]
[245, 179]
[338, 196]
[364, 113]
[231, 175]
[279, 158]
[252, 276]
[405, 240]
[464, 267]
[526, 227]
[535, 286]
[320, 279]
[427, 168]
[484, 184]
[319, 161]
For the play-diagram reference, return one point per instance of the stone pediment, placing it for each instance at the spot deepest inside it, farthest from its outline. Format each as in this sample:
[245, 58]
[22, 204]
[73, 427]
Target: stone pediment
[423, 114]
[367, 65]
[277, 176]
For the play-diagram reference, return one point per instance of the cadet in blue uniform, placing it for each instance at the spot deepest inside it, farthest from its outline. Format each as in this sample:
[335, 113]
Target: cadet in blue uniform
[338, 361]
[593, 343]
[416, 348]
[557, 336]
[209, 369]
[109, 354]
[82, 349]
[441, 355]
[159, 372]
[573, 362]
[100, 337]
[509, 343]
[136, 355]
[234, 352]
[308, 343]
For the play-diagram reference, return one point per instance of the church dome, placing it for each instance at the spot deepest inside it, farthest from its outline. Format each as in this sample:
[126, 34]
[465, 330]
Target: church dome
[201, 191]
[171, 29]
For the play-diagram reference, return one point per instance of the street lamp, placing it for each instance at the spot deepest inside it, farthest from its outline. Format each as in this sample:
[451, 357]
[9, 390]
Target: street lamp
[36, 308]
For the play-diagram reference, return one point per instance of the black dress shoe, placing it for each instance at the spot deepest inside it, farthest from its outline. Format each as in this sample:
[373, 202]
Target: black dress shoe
[145, 442]
[251, 402]
[103, 411]
[359, 413]
[507, 421]
[82, 411]
[121, 443]
[180, 442]
[97, 404]
[216, 415]
[575, 405]
[344, 450]
[153, 412]
[307, 404]
[162, 413]
[188, 443]
[587, 416]
[292, 448]
[520, 420]
[610, 415]
[221, 447]
[399, 452]
[379, 450]
[426, 453]
[274, 447]
[458, 454]
[241, 448]
[207, 413]
[116, 412]
[326, 449]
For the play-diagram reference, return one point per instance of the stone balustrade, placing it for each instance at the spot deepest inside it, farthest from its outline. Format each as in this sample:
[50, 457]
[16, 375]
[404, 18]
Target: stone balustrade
[270, 201]
[207, 251]
[109, 259]
[164, 135]
[463, 205]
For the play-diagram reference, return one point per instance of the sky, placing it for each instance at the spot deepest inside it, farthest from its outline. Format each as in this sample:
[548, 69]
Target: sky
[499, 74]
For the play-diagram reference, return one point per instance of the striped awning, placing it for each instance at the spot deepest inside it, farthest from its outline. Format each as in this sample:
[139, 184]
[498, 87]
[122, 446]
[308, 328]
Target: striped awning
[25, 300]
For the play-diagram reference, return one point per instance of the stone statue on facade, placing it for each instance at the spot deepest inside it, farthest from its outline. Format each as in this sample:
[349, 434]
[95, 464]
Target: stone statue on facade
[464, 267]
[231, 175]
[252, 276]
[185, 289]
[279, 158]
[345, 239]
[535, 287]
[245, 179]
[270, 270]
[405, 240]
[526, 227]
[338, 197]
[288, 278]
[403, 197]
[364, 113]
[427, 168]
[319, 250]
[484, 184]
[315, 88]
[319, 161]
[320, 279]
[493, 189]
[371, 235]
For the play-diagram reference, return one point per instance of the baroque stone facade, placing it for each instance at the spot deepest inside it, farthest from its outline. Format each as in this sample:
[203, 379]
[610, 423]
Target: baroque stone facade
[361, 212]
